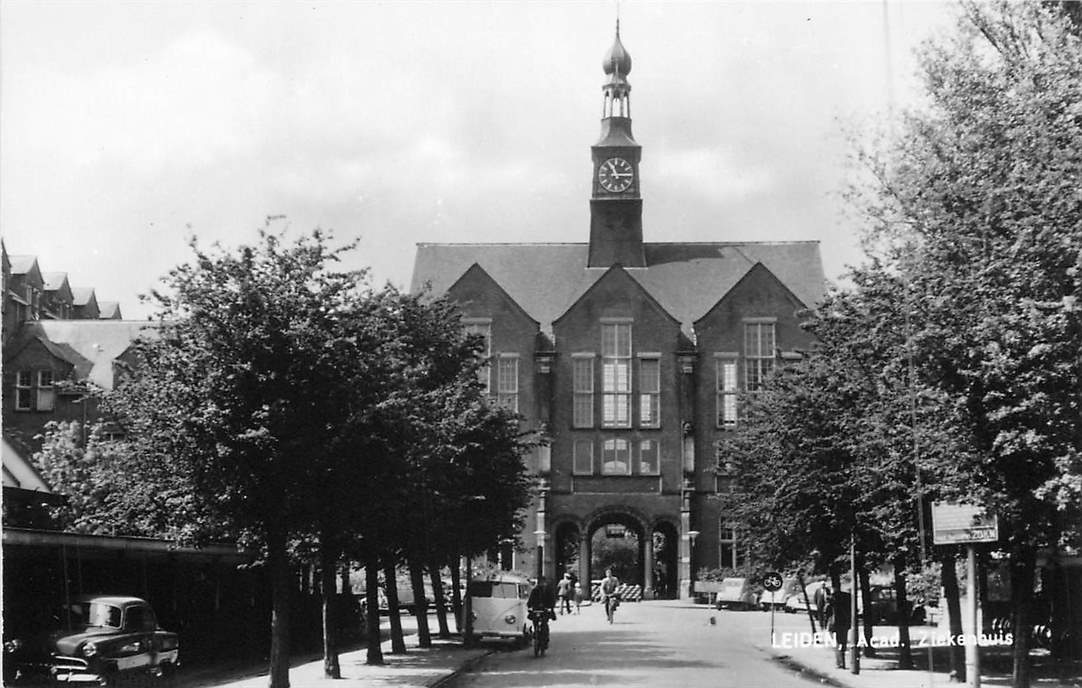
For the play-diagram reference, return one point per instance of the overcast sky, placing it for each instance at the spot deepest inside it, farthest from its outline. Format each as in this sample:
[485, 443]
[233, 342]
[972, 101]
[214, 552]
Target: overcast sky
[127, 126]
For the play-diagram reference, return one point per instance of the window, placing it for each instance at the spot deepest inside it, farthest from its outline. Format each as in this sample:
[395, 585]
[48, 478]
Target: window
[650, 393]
[483, 330]
[46, 391]
[584, 457]
[507, 382]
[616, 457]
[649, 457]
[725, 388]
[616, 375]
[583, 374]
[24, 382]
[727, 546]
[758, 353]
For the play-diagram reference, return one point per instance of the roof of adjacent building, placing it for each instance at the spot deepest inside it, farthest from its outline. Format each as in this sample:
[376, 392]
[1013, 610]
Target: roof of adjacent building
[18, 471]
[80, 296]
[687, 279]
[98, 341]
[20, 265]
[54, 280]
[109, 310]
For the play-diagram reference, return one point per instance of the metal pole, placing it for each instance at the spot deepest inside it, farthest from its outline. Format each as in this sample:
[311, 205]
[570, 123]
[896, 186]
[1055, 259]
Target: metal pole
[973, 659]
[854, 651]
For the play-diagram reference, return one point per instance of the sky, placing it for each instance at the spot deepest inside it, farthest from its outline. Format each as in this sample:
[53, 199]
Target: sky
[126, 127]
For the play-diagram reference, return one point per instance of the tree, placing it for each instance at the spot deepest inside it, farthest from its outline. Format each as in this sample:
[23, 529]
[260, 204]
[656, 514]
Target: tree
[976, 203]
[240, 390]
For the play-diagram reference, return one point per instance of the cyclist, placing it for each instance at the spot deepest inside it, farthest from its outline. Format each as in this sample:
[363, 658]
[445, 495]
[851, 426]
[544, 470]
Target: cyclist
[541, 605]
[609, 585]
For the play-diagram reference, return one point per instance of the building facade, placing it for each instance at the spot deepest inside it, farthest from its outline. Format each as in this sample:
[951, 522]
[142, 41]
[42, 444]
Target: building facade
[630, 358]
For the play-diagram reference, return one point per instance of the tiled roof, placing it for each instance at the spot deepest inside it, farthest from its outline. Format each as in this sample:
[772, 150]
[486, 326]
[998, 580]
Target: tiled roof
[687, 279]
[100, 341]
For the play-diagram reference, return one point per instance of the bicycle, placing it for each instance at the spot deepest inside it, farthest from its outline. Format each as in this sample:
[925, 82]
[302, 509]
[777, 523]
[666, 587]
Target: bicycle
[540, 630]
[611, 603]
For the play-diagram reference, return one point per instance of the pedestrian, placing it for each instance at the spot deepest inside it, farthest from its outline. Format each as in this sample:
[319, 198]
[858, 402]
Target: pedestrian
[838, 622]
[579, 596]
[564, 590]
[609, 585]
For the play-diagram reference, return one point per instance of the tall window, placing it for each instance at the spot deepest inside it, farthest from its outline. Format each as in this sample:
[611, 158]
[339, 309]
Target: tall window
[725, 389]
[650, 392]
[584, 457]
[583, 374]
[649, 457]
[616, 457]
[483, 330]
[758, 353]
[727, 546]
[24, 390]
[616, 375]
[507, 382]
[46, 391]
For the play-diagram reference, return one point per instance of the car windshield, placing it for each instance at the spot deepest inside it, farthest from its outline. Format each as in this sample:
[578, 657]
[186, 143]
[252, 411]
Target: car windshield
[94, 615]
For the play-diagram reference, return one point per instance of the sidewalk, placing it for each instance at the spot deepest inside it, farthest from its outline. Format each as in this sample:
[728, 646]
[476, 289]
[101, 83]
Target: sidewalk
[817, 662]
[418, 668]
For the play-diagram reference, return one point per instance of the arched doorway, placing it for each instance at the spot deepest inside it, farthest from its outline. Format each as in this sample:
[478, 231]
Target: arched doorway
[617, 540]
[664, 541]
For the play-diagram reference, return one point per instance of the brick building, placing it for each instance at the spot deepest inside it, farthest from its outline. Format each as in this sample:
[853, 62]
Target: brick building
[631, 357]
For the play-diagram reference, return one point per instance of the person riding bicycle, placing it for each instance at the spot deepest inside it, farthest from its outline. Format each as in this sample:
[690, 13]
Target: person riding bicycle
[609, 585]
[541, 606]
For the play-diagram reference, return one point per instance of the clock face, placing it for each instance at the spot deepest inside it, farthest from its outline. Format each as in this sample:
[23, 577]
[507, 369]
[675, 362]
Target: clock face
[615, 174]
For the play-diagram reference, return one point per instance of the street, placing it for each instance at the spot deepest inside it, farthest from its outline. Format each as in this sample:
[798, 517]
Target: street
[649, 644]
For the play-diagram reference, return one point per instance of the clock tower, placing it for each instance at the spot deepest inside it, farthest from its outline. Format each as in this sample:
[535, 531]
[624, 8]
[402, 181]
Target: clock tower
[615, 203]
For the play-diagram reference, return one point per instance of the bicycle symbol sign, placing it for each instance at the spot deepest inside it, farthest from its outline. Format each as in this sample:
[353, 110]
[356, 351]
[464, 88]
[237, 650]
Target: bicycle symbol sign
[772, 581]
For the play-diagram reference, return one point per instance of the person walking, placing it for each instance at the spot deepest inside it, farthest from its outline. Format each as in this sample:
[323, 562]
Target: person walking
[564, 590]
[579, 596]
[838, 622]
[609, 586]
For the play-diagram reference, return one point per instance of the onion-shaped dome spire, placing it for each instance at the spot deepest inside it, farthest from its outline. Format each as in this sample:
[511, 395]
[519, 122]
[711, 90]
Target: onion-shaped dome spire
[617, 61]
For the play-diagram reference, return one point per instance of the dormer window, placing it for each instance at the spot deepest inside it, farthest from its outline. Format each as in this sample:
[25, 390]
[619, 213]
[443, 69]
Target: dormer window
[34, 390]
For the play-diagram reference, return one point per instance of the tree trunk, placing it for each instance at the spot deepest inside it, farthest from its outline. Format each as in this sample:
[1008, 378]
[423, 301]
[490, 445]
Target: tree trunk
[866, 600]
[329, 584]
[1023, 572]
[420, 605]
[394, 611]
[278, 560]
[807, 602]
[371, 584]
[954, 617]
[456, 594]
[905, 652]
[437, 599]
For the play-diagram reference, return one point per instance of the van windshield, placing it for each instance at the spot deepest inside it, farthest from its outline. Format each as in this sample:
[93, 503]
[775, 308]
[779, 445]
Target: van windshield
[494, 589]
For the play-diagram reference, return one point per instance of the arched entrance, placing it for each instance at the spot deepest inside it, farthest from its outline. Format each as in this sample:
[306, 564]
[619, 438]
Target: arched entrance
[617, 540]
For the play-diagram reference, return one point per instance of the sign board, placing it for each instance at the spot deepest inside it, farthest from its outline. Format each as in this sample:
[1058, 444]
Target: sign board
[616, 530]
[954, 524]
[772, 581]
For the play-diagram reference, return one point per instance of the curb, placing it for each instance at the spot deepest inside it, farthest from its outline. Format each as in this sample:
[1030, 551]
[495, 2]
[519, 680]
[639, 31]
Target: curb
[464, 668]
[803, 670]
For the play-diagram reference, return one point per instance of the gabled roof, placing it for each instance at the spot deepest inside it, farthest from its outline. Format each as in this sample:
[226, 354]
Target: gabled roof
[109, 310]
[54, 280]
[99, 341]
[18, 471]
[687, 279]
[20, 265]
[81, 296]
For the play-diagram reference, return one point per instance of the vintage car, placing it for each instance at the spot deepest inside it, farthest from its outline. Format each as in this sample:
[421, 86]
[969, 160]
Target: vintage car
[735, 593]
[498, 607]
[103, 637]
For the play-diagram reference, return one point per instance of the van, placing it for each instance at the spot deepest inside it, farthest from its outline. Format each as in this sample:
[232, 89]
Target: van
[498, 607]
[735, 593]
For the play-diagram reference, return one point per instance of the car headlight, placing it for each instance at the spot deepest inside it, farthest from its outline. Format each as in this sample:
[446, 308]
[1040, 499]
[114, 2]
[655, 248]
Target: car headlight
[511, 619]
[473, 616]
[90, 649]
[13, 645]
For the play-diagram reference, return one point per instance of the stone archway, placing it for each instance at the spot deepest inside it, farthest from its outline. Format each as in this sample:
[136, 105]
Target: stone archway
[617, 538]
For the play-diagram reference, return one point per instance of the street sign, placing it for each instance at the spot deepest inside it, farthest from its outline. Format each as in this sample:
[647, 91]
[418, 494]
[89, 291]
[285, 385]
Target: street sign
[954, 524]
[772, 581]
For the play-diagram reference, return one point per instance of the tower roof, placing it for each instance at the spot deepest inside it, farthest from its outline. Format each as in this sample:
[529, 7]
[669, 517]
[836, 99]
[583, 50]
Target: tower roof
[617, 61]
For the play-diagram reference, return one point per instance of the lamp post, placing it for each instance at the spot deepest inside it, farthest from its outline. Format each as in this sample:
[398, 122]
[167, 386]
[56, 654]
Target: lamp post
[692, 534]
